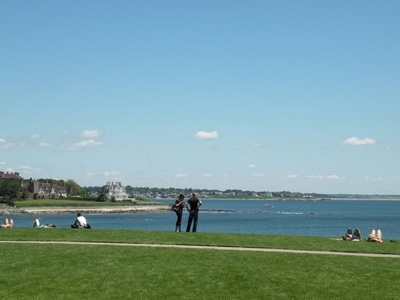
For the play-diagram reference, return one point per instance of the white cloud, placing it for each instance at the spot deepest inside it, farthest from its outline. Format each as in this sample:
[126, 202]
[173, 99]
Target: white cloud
[65, 133]
[181, 176]
[6, 145]
[34, 137]
[333, 177]
[355, 141]
[292, 176]
[253, 166]
[91, 134]
[202, 135]
[44, 144]
[90, 174]
[325, 177]
[111, 173]
[258, 145]
[259, 175]
[24, 168]
[206, 175]
[85, 144]
[2, 163]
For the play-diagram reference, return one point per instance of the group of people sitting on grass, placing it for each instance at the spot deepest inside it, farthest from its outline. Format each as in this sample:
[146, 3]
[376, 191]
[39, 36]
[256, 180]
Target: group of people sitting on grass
[374, 236]
[80, 222]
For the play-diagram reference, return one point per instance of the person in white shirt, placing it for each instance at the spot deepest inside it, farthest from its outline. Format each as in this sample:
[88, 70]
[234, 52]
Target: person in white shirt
[80, 222]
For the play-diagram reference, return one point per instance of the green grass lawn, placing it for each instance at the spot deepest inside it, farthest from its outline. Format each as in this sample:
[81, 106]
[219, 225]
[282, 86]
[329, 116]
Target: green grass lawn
[65, 272]
[200, 238]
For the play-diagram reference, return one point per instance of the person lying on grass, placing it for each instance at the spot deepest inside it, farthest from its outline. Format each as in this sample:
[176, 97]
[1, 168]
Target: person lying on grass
[36, 224]
[7, 224]
[352, 237]
[375, 236]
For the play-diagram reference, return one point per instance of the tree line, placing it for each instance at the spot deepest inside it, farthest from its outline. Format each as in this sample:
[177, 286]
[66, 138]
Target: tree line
[19, 189]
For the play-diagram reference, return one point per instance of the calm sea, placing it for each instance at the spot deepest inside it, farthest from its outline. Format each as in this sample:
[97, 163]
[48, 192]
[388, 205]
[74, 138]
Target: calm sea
[310, 218]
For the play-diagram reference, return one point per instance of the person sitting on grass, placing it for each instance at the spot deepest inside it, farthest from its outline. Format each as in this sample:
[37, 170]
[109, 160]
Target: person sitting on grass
[7, 224]
[80, 222]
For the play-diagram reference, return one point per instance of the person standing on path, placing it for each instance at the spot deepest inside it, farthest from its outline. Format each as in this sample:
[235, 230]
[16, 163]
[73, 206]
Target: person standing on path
[192, 206]
[179, 205]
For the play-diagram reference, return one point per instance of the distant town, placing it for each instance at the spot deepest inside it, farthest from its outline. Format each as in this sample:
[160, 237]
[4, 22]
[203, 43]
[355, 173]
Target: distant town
[172, 193]
[13, 186]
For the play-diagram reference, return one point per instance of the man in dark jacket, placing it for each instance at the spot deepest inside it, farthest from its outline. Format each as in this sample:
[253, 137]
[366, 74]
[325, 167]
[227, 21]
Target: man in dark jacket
[192, 206]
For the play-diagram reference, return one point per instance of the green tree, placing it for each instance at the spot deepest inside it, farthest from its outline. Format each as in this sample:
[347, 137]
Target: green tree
[73, 189]
[103, 194]
[10, 188]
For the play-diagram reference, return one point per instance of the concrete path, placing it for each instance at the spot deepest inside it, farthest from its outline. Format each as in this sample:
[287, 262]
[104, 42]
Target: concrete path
[206, 248]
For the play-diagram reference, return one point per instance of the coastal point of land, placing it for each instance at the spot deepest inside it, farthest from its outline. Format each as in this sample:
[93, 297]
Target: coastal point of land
[85, 209]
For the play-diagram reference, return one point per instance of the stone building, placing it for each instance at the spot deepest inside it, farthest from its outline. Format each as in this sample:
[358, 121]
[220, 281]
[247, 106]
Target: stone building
[45, 190]
[116, 191]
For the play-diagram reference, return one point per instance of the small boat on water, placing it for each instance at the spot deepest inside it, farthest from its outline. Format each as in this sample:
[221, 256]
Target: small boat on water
[268, 205]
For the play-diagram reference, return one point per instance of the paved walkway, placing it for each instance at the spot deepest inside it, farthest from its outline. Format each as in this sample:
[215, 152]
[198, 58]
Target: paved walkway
[206, 247]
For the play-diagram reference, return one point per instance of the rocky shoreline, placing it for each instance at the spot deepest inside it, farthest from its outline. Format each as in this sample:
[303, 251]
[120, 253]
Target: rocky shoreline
[9, 210]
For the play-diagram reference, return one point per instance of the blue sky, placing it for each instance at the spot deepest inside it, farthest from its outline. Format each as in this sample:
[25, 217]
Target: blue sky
[253, 95]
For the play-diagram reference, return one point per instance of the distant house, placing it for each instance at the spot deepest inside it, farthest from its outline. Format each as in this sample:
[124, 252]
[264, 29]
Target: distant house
[11, 176]
[45, 190]
[116, 191]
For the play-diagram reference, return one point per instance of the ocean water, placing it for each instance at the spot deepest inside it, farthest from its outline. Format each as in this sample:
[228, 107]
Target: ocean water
[309, 218]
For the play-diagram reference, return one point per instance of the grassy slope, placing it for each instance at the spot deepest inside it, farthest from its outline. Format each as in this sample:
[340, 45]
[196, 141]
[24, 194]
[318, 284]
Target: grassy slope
[215, 239]
[49, 272]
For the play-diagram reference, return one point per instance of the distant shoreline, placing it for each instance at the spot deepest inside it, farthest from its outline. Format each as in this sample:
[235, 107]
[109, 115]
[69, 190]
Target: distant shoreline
[83, 209]
[287, 199]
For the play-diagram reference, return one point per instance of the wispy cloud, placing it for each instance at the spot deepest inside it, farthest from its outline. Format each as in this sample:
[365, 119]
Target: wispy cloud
[258, 145]
[259, 175]
[203, 135]
[253, 166]
[2, 163]
[325, 177]
[181, 176]
[91, 134]
[355, 141]
[4, 144]
[44, 144]
[206, 175]
[111, 173]
[24, 168]
[34, 136]
[292, 176]
[90, 174]
[29, 170]
[84, 145]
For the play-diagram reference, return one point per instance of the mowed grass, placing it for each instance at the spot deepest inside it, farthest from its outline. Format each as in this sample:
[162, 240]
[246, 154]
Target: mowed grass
[212, 239]
[32, 271]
